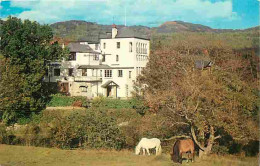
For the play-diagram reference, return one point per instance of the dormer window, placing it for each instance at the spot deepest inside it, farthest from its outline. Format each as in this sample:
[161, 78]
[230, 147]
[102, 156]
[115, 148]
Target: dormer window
[72, 56]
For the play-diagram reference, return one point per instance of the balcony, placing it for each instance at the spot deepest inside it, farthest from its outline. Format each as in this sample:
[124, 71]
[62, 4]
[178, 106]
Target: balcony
[88, 79]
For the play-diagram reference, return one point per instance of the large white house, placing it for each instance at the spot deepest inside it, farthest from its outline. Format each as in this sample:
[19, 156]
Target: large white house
[108, 68]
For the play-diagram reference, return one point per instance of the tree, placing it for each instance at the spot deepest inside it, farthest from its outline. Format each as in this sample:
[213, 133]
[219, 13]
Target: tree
[26, 50]
[206, 101]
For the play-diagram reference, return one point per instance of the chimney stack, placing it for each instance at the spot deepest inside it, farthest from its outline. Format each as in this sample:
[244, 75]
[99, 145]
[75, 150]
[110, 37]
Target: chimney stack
[114, 31]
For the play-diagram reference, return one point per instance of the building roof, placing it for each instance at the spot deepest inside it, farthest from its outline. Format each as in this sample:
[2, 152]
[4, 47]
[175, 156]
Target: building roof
[94, 67]
[125, 32]
[110, 82]
[201, 64]
[82, 48]
[102, 67]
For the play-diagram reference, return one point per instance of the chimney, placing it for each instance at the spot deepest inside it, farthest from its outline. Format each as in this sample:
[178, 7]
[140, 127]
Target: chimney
[114, 31]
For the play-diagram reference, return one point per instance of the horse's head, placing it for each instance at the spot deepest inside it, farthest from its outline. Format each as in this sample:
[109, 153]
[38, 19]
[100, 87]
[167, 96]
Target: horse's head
[137, 150]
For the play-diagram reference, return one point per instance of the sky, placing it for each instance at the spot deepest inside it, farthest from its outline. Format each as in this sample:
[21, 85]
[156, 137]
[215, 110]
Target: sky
[219, 14]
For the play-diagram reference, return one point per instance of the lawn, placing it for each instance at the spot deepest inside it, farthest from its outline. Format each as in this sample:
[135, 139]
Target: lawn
[33, 156]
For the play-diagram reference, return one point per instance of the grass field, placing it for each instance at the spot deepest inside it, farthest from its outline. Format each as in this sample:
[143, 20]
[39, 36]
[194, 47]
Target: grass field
[33, 156]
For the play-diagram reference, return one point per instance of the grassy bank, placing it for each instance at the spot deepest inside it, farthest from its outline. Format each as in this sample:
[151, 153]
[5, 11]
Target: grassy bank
[31, 156]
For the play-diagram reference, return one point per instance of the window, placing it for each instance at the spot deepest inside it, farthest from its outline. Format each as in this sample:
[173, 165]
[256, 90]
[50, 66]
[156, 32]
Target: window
[117, 58]
[70, 71]
[100, 73]
[130, 73]
[83, 88]
[95, 57]
[130, 47]
[103, 58]
[84, 72]
[93, 73]
[56, 72]
[108, 73]
[96, 46]
[72, 56]
[117, 44]
[120, 73]
[104, 45]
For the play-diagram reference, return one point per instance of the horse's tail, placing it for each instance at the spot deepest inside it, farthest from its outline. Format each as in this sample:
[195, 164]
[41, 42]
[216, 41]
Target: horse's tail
[175, 151]
[159, 150]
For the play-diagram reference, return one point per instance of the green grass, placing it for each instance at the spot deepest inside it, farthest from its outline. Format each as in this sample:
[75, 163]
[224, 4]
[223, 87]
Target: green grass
[33, 156]
[64, 101]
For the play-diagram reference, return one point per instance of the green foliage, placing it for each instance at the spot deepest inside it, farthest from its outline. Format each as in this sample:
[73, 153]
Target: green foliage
[3, 134]
[59, 100]
[220, 150]
[26, 50]
[72, 129]
[252, 148]
[101, 102]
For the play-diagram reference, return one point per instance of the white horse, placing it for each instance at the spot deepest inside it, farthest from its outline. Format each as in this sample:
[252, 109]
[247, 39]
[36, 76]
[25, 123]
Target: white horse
[147, 144]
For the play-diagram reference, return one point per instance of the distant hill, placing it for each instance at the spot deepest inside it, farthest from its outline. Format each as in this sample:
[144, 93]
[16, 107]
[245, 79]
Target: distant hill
[180, 26]
[88, 31]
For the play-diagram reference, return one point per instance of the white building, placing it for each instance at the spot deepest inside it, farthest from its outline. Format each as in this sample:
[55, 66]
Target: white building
[108, 68]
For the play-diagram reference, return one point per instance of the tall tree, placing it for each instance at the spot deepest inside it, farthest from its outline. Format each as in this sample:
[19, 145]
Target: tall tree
[206, 101]
[26, 50]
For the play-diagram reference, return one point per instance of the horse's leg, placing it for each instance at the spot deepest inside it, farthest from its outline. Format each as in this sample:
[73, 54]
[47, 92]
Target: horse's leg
[193, 156]
[180, 159]
[147, 149]
[143, 151]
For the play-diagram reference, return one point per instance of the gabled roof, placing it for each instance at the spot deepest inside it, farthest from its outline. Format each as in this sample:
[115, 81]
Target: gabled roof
[82, 48]
[110, 82]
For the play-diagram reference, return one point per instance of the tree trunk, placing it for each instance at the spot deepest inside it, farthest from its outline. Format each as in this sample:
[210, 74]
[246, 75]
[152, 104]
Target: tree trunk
[204, 150]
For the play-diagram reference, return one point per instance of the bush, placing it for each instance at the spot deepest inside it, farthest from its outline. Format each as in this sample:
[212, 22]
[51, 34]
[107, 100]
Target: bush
[59, 100]
[220, 150]
[3, 134]
[101, 102]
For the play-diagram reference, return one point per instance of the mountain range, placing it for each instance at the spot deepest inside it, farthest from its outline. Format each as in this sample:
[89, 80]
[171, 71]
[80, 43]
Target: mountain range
[76, 30]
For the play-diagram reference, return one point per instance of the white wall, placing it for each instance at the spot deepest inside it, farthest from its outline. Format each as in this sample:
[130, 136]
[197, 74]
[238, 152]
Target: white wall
[128, 61]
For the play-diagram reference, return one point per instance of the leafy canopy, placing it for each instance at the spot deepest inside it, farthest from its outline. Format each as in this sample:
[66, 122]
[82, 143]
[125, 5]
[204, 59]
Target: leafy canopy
[26, 49]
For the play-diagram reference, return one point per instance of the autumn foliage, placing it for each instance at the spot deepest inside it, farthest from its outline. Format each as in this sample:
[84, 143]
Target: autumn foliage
[210, 101]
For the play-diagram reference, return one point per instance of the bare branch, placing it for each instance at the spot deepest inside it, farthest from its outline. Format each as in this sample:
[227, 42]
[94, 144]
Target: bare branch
[195, 138]
[175, 137]
[217, 137]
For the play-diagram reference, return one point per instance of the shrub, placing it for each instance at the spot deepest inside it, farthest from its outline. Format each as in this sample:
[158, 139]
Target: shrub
[3, 134]
[220, 150]
[59, 100]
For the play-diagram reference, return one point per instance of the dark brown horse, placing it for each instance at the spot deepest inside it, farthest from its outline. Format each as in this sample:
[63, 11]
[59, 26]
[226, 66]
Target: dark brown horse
[180, 147]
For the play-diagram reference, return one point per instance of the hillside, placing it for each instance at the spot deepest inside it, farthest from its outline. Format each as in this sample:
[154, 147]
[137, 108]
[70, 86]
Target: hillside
[88, 31]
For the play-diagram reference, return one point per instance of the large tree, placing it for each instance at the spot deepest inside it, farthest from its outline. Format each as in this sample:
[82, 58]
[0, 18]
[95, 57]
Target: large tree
[26, 50]
[207, 102]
